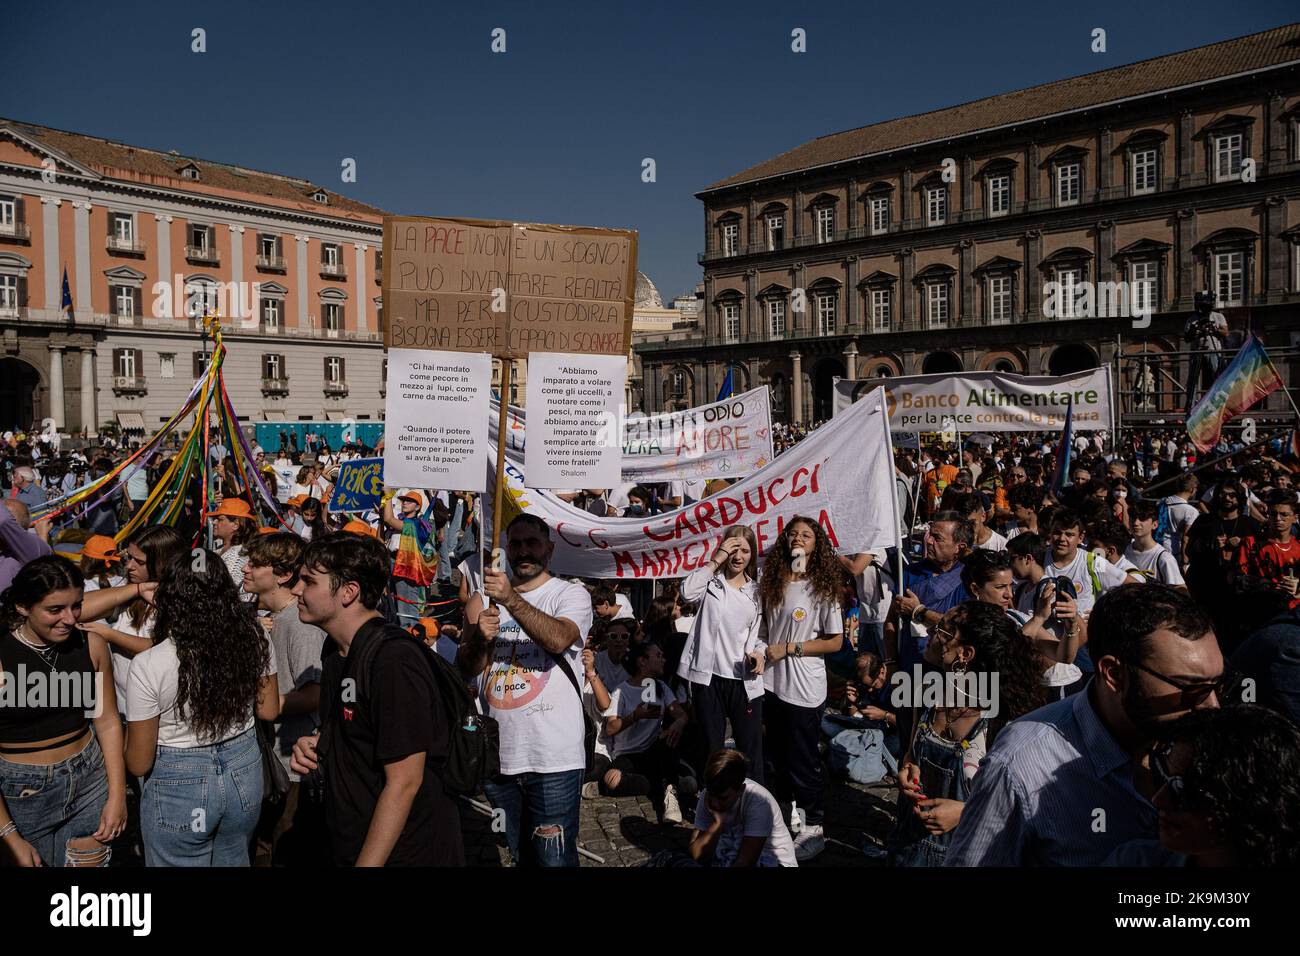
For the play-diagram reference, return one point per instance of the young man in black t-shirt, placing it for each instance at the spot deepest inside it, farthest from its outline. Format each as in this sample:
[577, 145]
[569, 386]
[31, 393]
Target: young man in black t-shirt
[385, 733]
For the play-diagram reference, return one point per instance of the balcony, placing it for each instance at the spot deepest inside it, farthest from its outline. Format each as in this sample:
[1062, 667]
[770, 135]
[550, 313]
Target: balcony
[129, 385]
[125, 246]
[333, 270]
[276, 386]
[338, 388]
[332, 333]
[127, 319]
[204, 254]
[15, 232]
[271, 263]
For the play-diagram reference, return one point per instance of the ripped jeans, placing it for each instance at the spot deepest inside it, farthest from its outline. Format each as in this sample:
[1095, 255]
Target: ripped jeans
[547, 804]
[57, 805]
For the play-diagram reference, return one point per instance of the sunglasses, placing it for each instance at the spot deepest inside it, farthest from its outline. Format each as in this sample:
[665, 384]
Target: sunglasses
[942, 634]
[1194, 693]
[1163, 778]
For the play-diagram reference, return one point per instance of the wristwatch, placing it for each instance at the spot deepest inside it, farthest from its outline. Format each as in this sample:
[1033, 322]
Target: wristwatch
[918, 613]
[798, 649]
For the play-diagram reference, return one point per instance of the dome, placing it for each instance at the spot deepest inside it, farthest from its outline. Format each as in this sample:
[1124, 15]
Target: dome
[647, 296]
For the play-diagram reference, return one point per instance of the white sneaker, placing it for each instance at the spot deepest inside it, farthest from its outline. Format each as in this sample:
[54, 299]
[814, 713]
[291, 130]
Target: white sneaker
[810, 842]
[672, 810]
[591, 790]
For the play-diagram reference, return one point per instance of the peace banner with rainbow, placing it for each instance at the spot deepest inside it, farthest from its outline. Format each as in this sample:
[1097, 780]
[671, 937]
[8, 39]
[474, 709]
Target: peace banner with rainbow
[1248, 379]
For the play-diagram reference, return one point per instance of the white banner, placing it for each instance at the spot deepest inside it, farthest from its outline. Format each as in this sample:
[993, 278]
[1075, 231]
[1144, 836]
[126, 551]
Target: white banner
[842, 476]
[989, 401]
[727, 439]
[575, 401]
[435, 419]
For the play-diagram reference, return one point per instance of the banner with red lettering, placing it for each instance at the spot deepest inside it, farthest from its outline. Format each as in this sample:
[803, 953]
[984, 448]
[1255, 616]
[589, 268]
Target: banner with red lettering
[842, 475]
[731, 438]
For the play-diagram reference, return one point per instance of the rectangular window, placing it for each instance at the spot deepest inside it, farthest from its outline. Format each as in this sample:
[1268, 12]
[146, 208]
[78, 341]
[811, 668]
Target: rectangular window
[1068, 183]
[1227, 157]
[936, 305]
[731, 322]
[1143, 280]
[126, 363]
[123, 301]
[166, 365]
[825, 223]
[775, 232]
[776, 318]
[8, 293]
[881, 307]
[936, 205]
[331, 254]
[1071, 283]
[271, 314]
[999, 195]
[123, 227]
[334, 369]
[1143, 171]
[199, 238]
[1229, 277]
[8, 213]
[679, 383]
[271, 367]
[826, 314]
[730, 238]
[268, 247]
[332, 323]
[1000, 299]
[879, 215]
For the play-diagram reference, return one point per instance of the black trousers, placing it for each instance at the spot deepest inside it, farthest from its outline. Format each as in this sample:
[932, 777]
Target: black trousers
[723, 699]
[792, 736]
[646, 773]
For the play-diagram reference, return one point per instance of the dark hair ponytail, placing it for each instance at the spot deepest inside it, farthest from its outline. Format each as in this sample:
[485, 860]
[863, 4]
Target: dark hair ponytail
[34, 580]
[1001, 649]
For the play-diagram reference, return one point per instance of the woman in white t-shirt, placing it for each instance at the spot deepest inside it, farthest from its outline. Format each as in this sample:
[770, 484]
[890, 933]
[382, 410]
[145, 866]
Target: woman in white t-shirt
[802, 622]
[724, 682]
[190, 712]
[123, 615]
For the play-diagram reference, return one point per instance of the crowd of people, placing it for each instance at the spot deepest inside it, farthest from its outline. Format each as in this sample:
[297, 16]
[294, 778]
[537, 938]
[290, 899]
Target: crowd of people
[1115, 640]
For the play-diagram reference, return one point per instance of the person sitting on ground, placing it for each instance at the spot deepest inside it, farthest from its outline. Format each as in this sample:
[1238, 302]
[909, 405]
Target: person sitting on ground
[737, 821]
[645, 720]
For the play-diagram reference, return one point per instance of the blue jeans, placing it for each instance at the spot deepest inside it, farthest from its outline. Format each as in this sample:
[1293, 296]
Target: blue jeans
[541, 801]
[200, 804]
[57, 803]
[410, 601]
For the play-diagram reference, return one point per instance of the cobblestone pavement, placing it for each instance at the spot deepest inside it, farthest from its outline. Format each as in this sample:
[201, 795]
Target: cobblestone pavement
[624, 831]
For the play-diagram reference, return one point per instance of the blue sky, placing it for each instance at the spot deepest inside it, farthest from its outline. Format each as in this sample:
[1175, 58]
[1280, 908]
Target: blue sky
[555, 129]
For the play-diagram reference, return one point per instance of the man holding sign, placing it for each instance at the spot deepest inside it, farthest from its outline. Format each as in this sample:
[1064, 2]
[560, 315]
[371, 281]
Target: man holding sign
[524, 651]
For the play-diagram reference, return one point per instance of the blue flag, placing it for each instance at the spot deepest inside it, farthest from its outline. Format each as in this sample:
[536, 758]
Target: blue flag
[728, 384]
[1063, 451]
[66, 304]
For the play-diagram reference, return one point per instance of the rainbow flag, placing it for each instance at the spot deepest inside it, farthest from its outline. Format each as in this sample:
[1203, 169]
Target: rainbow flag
[1248, 378]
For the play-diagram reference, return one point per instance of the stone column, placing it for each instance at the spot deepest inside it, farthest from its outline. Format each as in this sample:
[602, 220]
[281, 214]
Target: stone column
[1031, 175]
[750, 318]
[56, 386]
[1105, 250]
[967, 313]
[1033, 275]
[799, 321]
[359, 288]
[796, 389]
[81, 235]
[1184, 258]
[300, 265]
[164, 248]
[237, 301]
[53, 274]
[851, 361]
[1185, 146]
[88, 390]
[1276, 250]
[851, 296]
[905, 291]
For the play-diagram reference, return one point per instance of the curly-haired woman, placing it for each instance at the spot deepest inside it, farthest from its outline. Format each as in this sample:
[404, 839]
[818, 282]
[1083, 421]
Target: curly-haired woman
[1227, 792]
[190, 712]
[980, 650]
[62, 786]
[800, 594]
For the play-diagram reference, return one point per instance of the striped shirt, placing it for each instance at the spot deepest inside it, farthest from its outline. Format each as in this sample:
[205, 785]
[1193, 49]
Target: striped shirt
[1055, 790]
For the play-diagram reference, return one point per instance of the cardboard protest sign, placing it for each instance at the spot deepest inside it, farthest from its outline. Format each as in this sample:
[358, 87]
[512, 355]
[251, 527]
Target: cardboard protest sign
[842, 475]
[359, 485]
[576, 401]
[507, 288]
[988, 401]
[731, 438]
[436, 417]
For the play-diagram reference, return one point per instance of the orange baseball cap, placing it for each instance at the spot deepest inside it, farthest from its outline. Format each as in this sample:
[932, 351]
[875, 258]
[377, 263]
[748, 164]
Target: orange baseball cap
[233, 508]
[412, 495]
[100, 547]
[357, 526]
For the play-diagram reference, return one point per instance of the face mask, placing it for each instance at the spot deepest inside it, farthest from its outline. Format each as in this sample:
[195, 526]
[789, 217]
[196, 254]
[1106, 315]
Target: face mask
[636, 509]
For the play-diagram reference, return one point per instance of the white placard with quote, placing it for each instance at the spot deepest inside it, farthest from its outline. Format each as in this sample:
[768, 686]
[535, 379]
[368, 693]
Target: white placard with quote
[574, 426]
[436, 419]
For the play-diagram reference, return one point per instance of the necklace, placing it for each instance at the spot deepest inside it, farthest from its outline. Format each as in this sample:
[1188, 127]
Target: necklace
[46, 652]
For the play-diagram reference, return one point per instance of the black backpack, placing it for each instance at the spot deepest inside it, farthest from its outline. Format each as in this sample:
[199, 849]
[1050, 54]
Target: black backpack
[474, 741]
